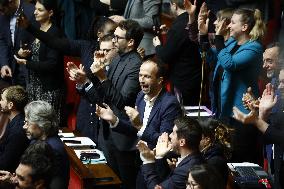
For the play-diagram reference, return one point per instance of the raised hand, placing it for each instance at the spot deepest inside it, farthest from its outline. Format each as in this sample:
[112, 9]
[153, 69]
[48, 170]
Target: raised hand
[163, 145]
[76, 73]
[248, 98]
[221, 27]
[141, 52]
[106, 113]
[98, 66]
[133, 115]
[249, 118]
[190, 8]
[267, 101]
[203, 19]
[146, 154]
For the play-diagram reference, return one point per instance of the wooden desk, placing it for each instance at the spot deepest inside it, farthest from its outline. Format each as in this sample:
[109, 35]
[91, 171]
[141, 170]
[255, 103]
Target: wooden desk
[90, 176]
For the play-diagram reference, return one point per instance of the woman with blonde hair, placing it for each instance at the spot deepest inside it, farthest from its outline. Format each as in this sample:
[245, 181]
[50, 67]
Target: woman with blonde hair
[239, 59]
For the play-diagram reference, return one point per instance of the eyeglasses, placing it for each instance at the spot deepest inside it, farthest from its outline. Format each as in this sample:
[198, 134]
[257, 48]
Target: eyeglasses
[116, 37]
[192, 184]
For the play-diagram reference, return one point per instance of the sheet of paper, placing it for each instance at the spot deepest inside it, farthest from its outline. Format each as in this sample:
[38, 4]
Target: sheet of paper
[82, 141]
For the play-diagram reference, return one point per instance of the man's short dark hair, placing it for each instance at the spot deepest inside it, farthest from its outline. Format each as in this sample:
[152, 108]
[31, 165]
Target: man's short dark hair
[133, 31]
[190, 130]
[18, 96]
[39, 156]
[179, 3]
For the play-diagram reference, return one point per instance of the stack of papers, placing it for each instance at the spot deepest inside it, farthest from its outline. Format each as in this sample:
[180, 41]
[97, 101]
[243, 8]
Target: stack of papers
[100, 159]
[79, 142]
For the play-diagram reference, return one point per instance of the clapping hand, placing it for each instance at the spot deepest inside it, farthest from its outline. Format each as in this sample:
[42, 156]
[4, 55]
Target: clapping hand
[106, 113]
[76, 73]
[98, 66]
[24, 53]
[203, 19]
[267, 101]
[146, 154]
[190, 8]
[133, 115]
[248, 98]
[163, 145]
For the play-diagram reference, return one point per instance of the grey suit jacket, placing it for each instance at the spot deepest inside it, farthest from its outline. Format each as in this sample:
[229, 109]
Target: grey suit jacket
[142, 12]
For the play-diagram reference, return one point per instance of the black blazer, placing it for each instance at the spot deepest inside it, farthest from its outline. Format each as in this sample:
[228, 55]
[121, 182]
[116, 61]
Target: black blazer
[183, 57]
[50, 68]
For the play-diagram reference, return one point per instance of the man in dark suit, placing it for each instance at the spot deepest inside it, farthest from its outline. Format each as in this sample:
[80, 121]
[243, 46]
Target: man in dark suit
[118, 88]
[184, 140]
[14, 141]
[155, 109]
[181, 55]
[12, 37]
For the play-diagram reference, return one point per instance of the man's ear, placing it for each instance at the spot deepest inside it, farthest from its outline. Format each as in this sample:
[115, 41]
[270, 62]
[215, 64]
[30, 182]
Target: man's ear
[50, 13]
[10, 105]
[182, 142]
[39, 184]
[130, 43]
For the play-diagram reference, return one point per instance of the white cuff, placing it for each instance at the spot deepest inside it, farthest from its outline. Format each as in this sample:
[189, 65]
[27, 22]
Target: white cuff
[115, 124]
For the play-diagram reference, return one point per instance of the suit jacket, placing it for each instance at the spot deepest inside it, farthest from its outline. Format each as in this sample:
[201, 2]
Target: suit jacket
[8, 49]
[13, 144]
[177, 178]
[142, 12]
[241, 71]
[165, 110]
[49, 68]
[118, 91]
[183, 57]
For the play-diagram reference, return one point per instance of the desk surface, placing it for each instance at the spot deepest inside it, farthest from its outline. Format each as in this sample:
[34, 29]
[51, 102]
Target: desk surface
[94, 174]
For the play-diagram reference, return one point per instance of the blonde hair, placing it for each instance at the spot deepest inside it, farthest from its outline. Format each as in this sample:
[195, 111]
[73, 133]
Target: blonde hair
[252, 18]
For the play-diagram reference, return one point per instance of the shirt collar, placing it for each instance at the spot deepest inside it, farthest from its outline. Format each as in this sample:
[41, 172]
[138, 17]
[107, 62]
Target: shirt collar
[152, 100]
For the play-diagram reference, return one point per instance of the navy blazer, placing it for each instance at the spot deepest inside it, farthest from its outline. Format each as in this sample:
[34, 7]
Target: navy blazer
[13, 144]
[165, 110]
[177, 178]
[7, 48]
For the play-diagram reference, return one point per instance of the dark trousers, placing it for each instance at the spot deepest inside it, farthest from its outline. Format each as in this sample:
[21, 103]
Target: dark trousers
[123, 163]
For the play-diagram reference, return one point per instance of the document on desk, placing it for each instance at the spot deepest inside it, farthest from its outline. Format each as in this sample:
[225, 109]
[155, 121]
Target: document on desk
[91, 156]
[79, 142]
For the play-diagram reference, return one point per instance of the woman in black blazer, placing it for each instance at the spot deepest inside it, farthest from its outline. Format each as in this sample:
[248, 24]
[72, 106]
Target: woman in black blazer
[45, 66]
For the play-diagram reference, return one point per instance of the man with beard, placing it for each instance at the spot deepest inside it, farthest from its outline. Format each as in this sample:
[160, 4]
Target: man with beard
[14, 141]
[271, 61]
[184, 140]
[41, 124]
[118, 88]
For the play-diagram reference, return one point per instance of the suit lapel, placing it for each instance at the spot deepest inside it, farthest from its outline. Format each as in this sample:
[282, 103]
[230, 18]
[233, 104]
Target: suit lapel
[119, 70]
[128, 8]
[156, 107]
